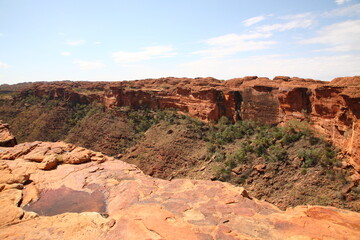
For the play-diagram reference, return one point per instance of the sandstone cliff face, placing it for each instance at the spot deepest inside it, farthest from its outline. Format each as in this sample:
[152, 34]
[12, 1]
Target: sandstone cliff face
[332, 108]
[6, 138]
[103, 198]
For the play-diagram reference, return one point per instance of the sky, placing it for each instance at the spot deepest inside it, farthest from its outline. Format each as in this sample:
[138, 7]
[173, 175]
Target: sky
[114, 40]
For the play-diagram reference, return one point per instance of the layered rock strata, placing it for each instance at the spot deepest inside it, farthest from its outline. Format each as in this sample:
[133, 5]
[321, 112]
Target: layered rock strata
[138, 206]
[333, 108]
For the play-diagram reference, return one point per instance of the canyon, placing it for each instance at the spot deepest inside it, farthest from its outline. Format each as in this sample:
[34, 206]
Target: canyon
[136, 159]
[333, 108]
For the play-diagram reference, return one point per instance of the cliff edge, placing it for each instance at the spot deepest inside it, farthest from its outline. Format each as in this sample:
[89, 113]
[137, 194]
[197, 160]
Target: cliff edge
[60, 191]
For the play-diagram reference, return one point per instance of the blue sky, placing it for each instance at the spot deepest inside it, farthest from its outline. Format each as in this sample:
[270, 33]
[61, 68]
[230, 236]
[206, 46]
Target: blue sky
[107, 40]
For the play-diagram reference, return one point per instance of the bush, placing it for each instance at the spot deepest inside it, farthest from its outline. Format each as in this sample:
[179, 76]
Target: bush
[230, 164]
[277, 153]
[240, 156]
[211, 148]
[222, 174]
[142, 120]
[291, 136]
[244, 128]
[310, 156]
[223, 121]
[261, 143]
[314, 140]
[219, 157]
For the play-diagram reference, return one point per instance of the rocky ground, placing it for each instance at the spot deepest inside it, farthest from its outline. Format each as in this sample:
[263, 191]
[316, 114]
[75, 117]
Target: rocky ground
[119, 201]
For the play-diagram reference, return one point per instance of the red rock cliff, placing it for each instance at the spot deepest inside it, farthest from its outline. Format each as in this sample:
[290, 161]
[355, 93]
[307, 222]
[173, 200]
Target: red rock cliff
[332, 107]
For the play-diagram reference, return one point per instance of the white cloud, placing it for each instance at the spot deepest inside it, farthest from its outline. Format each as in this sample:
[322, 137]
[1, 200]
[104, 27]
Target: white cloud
[298, 16]
[66, 53]
[303, 20]
[349, 11]
[341, 1]
[147, 53]
[75, 42]
[89, 65]
[233, 43]
[343, 36]
[4, 65]
[97, 43]
[252, 21]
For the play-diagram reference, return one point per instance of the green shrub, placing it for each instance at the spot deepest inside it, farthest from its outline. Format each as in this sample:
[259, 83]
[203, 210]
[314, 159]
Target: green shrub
[219, 157]
[230, 163]
[240, 156]
[222, 174]
[310, 156]
[261, 143]
[223, 121]
[313, 140]
[291, 136]
[277, 153]
[211, 148]
[227, 135]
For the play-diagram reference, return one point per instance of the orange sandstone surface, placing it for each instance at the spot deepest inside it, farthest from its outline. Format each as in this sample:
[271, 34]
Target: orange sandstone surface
[6, 138]
[60, 191]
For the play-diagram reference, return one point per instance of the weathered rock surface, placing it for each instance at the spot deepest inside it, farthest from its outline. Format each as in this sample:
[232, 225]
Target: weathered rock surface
[332, 107]
[6, 138]
[141, 207]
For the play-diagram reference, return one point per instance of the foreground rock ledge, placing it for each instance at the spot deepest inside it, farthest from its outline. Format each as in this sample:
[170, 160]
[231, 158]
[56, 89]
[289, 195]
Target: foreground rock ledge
[141, 207]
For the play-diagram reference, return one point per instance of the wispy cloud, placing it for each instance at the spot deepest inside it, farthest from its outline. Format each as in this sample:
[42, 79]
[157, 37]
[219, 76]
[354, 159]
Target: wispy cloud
[252, 21]
[341, 1]
[89, 65]
[349, 11]
[233, 43]
[97, 43]
[66, 53]
[75, 42]
[304, 20]
[343, 36]
[4, 65]
[146, 53]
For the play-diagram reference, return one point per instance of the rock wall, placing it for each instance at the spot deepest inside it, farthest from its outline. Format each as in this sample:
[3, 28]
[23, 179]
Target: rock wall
[333, 108]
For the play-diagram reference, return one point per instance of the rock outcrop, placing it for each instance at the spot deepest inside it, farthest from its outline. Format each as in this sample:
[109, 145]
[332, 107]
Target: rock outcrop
[6, 138]
[97, 197]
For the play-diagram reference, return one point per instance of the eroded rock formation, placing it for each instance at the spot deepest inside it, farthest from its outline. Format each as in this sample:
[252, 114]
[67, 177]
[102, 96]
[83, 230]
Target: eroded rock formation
[138, 206]
[6, 138]
[333, 108]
